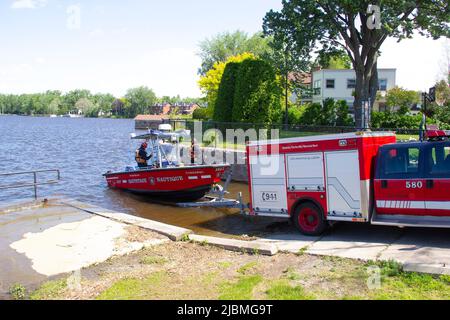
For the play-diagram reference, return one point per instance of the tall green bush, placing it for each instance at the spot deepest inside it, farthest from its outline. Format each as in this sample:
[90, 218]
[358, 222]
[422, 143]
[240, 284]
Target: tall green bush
[257, 96]
[223, 110]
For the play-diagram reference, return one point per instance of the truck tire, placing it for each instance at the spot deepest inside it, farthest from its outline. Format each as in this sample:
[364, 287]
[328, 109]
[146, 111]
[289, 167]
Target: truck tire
[308, 219]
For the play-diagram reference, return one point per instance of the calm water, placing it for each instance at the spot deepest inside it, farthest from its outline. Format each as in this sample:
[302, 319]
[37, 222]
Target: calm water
[84, 149]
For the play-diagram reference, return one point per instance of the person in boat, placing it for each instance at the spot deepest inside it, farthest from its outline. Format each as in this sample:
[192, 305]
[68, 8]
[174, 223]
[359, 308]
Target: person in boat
[141, 156]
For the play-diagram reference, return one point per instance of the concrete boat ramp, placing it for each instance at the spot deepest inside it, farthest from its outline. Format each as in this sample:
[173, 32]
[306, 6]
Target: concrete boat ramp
[40, 240]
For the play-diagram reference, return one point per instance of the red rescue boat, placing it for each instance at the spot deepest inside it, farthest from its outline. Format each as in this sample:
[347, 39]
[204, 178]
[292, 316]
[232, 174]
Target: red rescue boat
[166, 178]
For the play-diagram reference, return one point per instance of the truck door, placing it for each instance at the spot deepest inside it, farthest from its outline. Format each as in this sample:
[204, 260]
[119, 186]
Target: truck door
[268, 184]
[437, 170]
[343, 185]
[400, 185]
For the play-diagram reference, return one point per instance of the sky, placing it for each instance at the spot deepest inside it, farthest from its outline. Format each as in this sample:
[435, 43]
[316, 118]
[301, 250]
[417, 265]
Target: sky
[113, 45]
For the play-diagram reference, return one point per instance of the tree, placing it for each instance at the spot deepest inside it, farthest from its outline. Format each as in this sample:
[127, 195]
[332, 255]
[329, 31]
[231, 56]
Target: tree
[333, 59]
[225, 45]
[354, 27]
[104, 102]
[223, 110]
[442, 93]
[287, 64]
[139, 100]
[402, 99]
[210, 82]
[202, 114]
[257, 96]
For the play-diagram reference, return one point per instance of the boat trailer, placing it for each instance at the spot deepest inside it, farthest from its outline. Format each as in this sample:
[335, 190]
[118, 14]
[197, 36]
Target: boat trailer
[216, 198]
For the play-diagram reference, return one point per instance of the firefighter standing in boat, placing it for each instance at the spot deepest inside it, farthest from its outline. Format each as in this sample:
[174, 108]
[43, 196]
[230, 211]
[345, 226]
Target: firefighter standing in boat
[141, 156]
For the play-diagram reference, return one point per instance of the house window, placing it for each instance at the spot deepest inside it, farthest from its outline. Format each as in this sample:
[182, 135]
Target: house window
[382, 84]
[317, 87]
[382, 107]
[351, 83]
[330, 83]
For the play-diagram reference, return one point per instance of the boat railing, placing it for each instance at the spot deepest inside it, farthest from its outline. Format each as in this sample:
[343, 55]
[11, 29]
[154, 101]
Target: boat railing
[35, 182]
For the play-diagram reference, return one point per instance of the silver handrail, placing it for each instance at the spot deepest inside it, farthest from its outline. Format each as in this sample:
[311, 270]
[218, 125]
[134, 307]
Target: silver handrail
[35, 182]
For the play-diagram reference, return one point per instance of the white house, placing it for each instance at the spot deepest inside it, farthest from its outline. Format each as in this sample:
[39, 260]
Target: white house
[340, 85]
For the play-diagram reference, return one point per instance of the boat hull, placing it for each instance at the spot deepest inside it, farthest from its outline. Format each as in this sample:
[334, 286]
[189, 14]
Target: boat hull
[171, 184]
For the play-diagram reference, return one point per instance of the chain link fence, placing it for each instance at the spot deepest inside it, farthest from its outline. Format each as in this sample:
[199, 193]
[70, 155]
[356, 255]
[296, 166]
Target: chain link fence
[285, 131]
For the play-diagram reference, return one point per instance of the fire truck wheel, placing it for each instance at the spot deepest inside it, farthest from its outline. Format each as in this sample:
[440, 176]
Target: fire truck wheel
[308, 219]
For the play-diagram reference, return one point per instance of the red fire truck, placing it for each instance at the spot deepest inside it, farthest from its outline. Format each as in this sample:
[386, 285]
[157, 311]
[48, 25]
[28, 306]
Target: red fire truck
[355, 177]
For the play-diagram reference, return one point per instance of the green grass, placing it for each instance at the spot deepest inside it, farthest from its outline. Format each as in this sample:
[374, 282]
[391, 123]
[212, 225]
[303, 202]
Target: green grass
[397, 284]
[407, 137]
[225, 264]
[412, 286]
[283, 290]
[246, 268]
[49, 290]
[240, 290]
[134, 289]
[302, 251]
[18, 291]
[291, 274]
[153, 260]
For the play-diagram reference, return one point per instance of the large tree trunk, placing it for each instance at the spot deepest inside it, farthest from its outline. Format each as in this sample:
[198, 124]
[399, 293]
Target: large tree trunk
[365, 91]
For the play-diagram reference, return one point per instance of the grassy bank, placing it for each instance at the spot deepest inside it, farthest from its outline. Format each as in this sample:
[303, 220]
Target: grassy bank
[195, 271]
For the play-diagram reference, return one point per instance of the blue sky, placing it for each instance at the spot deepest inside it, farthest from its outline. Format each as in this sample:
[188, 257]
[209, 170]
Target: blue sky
[110, 46]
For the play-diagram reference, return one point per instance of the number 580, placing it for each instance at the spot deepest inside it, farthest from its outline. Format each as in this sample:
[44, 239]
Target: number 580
[414, 185]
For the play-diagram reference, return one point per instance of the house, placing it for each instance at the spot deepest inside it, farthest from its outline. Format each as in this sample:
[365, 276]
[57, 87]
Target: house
[150, 121]
[177, 108]
[302, 83]
[340, 85]
[158, 109]
[185, 108]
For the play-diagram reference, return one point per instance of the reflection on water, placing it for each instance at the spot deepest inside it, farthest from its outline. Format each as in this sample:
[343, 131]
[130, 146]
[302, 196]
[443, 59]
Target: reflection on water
[84, 149]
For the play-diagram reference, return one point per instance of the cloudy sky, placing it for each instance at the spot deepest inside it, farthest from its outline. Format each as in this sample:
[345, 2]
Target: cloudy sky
[112, 45]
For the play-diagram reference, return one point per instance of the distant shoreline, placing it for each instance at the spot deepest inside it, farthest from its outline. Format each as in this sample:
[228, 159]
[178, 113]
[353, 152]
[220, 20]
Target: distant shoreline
[50, 116]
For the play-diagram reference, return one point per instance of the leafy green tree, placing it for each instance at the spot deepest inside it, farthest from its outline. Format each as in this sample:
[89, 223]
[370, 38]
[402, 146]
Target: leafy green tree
[331, 113]
[203, 113]
[225, 45]
[223, 110]
[103, 102]
[287, 64]
[72, 97]
[442, 92]
[350, 26]
[210, 82]
[333, 59]
[139, 100]
[296, 113]
[257, 96]
[401, 99]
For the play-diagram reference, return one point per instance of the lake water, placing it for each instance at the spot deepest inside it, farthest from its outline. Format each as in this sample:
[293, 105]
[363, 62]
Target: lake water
[84, 149]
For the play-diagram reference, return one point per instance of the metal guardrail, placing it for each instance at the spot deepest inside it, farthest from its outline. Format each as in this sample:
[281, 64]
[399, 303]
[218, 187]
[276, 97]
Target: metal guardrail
[35, 182]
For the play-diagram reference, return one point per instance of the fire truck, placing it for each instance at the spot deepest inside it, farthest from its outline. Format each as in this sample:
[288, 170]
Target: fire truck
[364, 177]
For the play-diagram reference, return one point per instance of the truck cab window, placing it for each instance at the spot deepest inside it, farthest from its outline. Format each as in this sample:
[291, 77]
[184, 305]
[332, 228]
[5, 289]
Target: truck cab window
[438, 159]
[399, 161]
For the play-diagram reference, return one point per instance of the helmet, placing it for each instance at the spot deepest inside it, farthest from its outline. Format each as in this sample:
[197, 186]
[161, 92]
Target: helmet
[144, 144]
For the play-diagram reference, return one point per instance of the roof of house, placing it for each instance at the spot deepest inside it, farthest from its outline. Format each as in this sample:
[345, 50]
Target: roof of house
[151, 117]
[302, 77]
